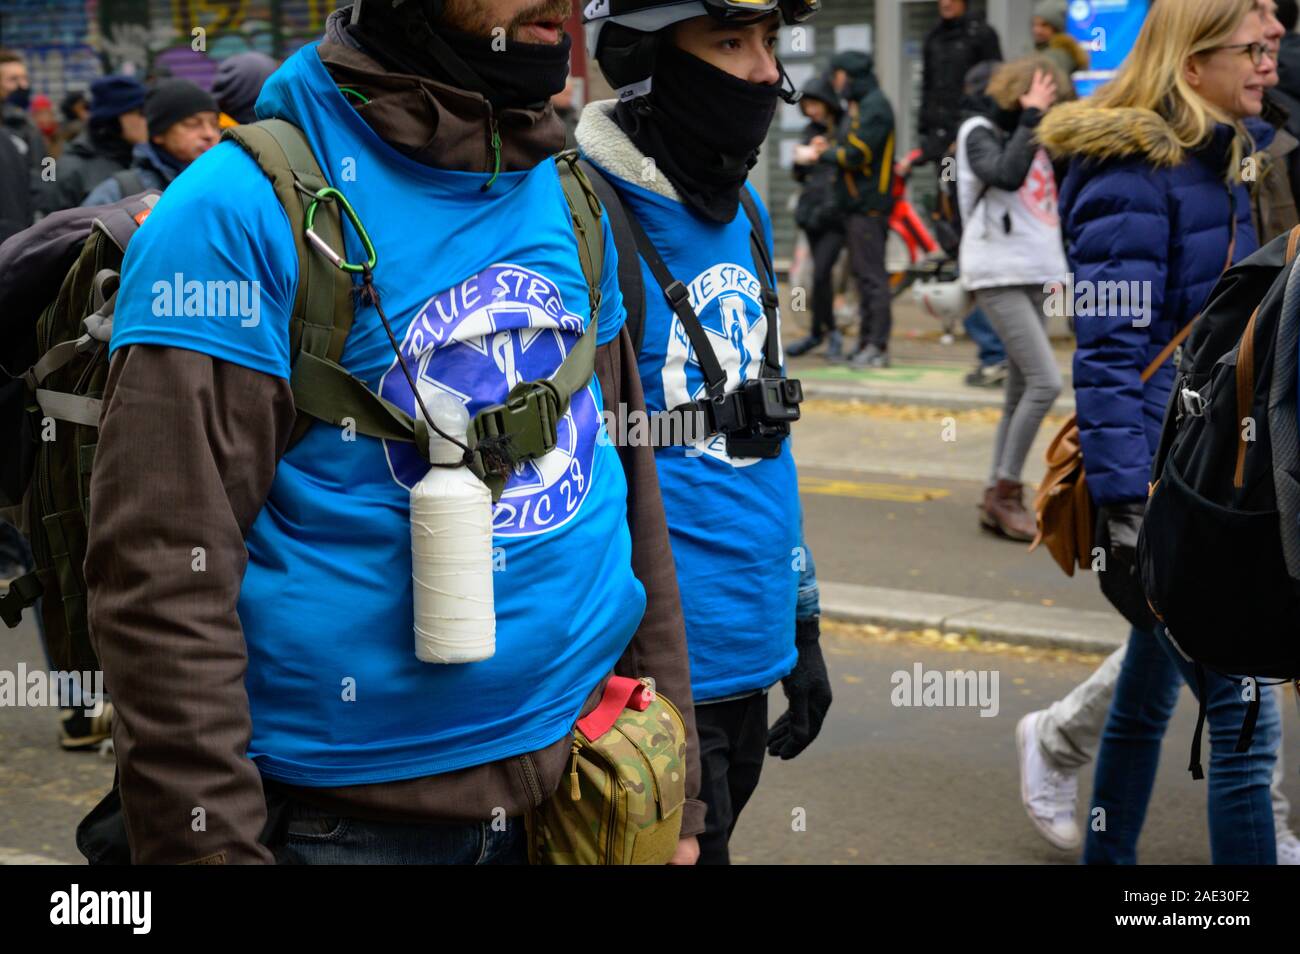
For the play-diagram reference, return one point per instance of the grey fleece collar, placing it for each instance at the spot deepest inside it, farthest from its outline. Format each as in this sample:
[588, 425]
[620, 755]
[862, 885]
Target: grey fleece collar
[605, 144]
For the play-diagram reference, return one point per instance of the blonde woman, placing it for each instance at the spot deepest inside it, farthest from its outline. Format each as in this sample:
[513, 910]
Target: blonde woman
[1153, 203]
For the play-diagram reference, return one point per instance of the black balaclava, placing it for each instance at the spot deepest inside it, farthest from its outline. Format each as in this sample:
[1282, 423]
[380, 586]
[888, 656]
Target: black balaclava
[702, 127]
[523, 74]
[20, 97]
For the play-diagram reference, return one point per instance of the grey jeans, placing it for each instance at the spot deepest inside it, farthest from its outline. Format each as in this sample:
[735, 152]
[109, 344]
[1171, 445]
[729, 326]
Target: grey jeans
[1033, 380]
[1069, 729]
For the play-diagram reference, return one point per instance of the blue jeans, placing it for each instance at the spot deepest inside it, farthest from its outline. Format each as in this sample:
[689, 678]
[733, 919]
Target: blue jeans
[317, 837]
[980, 330]
[1240, 807]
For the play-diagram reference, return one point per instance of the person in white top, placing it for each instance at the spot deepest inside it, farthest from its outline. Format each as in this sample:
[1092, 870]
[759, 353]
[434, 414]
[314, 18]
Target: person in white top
[1010, 256]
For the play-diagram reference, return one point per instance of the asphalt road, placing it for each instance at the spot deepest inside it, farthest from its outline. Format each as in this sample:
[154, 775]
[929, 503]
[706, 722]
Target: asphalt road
[887, 503]
[882, 785]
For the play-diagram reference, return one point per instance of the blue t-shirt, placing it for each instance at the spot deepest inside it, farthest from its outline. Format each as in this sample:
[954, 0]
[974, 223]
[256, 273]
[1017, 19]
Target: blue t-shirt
[483, 289]
[735, 523]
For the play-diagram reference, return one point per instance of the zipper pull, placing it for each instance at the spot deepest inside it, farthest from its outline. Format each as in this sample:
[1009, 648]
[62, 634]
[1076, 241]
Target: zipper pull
[496, 149]
[575, 790]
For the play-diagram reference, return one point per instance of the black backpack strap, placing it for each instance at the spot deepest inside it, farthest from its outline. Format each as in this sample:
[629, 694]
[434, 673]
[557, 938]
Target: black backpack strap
[679, 300]
[1194, 765]
[629, 260]
[1247, 734]
[767, 279]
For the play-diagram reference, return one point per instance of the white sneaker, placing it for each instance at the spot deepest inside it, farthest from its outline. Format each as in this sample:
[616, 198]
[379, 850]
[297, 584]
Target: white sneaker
[1050, 797]
[1288, 847]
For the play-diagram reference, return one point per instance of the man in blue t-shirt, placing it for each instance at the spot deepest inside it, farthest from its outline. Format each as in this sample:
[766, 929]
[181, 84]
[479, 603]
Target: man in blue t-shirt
[252, 605]
[698, 85]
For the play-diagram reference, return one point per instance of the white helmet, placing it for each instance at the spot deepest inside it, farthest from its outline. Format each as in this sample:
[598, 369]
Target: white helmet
[945, 300]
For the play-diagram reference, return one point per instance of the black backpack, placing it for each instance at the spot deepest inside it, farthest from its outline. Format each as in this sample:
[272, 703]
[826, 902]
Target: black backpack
[1219, 550]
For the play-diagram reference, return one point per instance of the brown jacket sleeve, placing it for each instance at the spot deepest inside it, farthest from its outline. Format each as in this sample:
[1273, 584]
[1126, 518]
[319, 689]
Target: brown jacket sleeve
[178, 469]
[658, 648]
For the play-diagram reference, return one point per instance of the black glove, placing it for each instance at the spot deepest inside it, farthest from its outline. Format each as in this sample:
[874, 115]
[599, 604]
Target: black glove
[1117, 535]
[808, 692]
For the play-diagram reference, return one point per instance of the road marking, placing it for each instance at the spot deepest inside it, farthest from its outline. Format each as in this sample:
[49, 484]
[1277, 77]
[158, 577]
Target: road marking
[12, 856]
[870, 490]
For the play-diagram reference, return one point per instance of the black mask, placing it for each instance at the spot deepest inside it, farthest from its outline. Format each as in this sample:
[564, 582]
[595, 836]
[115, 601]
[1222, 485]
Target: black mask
[20, 97]
[521, 74]
[702, 127]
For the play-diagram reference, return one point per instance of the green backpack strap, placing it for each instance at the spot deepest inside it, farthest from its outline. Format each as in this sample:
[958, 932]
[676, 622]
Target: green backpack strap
[585, 212]
[532, 410]
[322, 307]
[323, 312]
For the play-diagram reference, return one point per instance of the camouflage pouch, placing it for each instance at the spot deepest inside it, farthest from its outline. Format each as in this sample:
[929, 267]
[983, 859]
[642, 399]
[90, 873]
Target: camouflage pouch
[622, 801]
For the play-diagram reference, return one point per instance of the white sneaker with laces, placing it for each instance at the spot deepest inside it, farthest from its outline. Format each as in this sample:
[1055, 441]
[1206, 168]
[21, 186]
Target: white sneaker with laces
[1050, 796]
[1288, 847]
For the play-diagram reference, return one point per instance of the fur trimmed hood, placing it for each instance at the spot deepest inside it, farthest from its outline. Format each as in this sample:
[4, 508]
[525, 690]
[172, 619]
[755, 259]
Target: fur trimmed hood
[1082, 129]
[1125, 132]
[602, 141]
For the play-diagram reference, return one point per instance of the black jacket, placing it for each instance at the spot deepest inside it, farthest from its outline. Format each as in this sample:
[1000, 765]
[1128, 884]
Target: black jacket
[818, 209]
[862, 151]
[1001, 157]
[15, 194]
[950, 49]
[29, 144]
[86, 162]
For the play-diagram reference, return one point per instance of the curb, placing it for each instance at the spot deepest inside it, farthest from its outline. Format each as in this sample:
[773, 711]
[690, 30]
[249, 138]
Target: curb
[951, 400]
[1024, 624]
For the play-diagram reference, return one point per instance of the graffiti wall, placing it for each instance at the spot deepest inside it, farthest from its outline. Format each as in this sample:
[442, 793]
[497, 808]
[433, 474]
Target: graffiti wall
[68, 43]
[57, 38]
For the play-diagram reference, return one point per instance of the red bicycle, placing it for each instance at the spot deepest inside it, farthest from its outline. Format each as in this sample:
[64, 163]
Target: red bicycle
[911, 249]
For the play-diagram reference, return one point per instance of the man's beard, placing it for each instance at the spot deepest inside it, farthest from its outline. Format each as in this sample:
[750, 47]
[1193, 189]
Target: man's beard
[468, 16]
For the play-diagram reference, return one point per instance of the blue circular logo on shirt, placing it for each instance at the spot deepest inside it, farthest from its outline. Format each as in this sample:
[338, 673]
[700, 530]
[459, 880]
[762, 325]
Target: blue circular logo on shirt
[477, 340]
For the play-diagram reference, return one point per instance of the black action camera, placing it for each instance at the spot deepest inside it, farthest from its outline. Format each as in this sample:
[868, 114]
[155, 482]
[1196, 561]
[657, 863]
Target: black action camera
[766, 406]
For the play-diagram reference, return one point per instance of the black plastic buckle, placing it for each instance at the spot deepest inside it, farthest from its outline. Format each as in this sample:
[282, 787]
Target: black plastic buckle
[676, 293]
[527, 417]
[725, 412]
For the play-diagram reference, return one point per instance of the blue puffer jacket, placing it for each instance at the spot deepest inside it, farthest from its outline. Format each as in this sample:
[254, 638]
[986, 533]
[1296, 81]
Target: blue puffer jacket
[1139, 210]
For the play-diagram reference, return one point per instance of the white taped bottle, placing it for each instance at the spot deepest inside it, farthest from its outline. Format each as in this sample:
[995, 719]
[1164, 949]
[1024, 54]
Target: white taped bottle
[451, 550]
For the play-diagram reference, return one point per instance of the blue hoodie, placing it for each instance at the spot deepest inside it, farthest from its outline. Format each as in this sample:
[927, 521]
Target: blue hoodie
[483, 289]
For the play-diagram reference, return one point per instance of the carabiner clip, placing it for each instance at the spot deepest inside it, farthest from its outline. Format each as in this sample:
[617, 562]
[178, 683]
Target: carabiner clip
[330, 194]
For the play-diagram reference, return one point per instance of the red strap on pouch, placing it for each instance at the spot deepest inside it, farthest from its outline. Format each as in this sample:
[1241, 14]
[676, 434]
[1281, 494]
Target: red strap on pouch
[621, 692]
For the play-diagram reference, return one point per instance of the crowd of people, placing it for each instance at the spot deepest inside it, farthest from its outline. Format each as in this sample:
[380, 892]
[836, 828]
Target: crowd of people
[117, 137]
[1053, 193]
[621, 562]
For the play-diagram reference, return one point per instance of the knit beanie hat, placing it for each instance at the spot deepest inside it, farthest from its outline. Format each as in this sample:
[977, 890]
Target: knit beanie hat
[239, 80]
[111, 96]
[172, 100]
[1053, 12]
